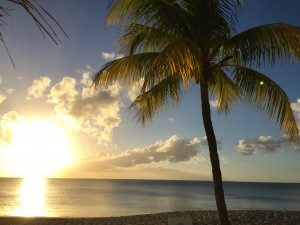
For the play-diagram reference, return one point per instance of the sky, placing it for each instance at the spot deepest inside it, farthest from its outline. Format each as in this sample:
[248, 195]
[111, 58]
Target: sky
[53, 124]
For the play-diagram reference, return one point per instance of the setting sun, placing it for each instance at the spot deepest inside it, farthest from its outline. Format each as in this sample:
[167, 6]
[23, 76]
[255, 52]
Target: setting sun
[38, 149]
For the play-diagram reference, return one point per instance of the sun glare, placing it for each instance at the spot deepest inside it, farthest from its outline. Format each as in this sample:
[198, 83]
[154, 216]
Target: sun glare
[32, 198]
[38, 149]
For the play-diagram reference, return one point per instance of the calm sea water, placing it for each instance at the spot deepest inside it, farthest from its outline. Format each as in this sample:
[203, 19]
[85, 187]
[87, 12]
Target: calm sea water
[91, 198]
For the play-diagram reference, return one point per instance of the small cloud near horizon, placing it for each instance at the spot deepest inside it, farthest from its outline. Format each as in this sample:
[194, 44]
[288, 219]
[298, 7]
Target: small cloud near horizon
[266, 144]
[173, 150]
[296, 109]
[158, 155]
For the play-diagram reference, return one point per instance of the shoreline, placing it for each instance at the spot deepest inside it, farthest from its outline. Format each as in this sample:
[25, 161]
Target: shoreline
[237, 217]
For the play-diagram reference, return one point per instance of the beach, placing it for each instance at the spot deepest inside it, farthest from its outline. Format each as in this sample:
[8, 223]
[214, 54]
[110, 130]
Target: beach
[198, 218]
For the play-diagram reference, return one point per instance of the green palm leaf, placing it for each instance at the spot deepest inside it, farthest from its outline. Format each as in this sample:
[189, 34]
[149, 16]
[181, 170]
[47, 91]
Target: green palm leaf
[153, 12]
[162, 95]
[142, 38]
[179, 57]
[128, 69]
[225, 90]
[265, 44]
[265, 95]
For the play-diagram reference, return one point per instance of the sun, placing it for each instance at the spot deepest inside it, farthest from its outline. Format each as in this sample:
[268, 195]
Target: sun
[39, 148]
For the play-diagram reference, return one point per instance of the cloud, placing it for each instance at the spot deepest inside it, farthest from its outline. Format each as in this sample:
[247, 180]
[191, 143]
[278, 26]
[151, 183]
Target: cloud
[296, 108]
[266, 144]
[2, 97]
[108, 56]
[38, 87]
[173, 150]
[119, 56]
[94, 113]
[64, 91]
[10, 91]
[7, 122]
[224, 160]
[171, 119]
[134, 90]
[204, 142]
[86, 79]
[214, 103]
[111, 56]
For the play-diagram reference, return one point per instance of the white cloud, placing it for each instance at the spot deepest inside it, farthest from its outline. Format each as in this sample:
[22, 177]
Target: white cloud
[38, 87]
[172, 150]
[2, 97]
[10, 91]
[204, 142]
[224, 160]
[111, 56]
[86, 79]
[108, 56]
[296, 108]
[64, 91]
[87, 91]
[134, 90]
[94, 113]
[7, 122]
[119, 56]
[266, 144]
[214, 103]
[171, 119]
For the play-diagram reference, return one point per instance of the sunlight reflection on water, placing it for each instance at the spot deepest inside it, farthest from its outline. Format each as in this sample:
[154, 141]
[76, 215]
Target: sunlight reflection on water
[31, 198]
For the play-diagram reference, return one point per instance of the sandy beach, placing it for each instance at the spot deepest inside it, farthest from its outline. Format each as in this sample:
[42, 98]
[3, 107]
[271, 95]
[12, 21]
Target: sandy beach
[198, 218]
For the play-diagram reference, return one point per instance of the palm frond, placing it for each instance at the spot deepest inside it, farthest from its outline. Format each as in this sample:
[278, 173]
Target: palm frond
[265, 44]
[264, 95]
[206, 18]
[127, 69]
[210, 17]
[179, 57]
[142, 38]
[7, 51]
[41, 17]
[4, 11]
[230, 10]
[154, 12]
[160, 96]
[224, 89]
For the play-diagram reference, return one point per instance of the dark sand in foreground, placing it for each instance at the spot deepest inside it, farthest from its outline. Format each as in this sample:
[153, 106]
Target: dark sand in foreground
[198, 218]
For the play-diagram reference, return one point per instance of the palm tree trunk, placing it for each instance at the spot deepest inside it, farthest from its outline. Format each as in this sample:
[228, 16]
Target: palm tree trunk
[214, 157]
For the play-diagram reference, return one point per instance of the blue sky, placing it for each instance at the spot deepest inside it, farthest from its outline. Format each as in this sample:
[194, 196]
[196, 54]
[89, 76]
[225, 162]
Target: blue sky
[50, 83]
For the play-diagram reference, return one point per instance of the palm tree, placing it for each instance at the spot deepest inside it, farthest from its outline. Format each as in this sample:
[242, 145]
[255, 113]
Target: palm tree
[42, 18]
[172, 45]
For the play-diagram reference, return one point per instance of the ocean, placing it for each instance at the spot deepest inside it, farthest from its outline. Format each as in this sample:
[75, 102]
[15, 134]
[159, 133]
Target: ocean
[101, 198]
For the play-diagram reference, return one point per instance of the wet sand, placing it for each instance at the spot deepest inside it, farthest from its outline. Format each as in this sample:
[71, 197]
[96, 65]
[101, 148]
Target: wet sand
[198, 218]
